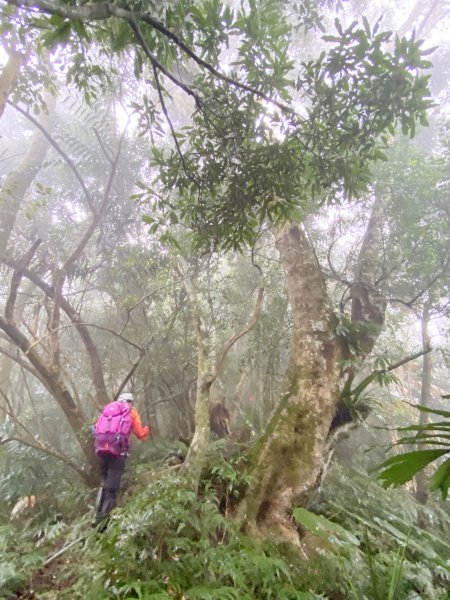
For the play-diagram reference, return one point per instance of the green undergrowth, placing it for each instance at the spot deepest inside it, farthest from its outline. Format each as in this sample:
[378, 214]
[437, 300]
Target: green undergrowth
[401, 542]
[167, 542]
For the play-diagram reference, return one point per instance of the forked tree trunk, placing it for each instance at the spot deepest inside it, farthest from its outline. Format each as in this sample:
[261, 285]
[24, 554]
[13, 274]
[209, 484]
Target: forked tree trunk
[287, 460]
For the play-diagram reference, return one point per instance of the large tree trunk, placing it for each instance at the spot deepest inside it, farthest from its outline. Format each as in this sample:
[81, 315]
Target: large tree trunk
[287, 461]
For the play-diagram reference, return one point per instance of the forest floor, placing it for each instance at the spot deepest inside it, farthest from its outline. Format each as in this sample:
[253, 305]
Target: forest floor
[47, 577]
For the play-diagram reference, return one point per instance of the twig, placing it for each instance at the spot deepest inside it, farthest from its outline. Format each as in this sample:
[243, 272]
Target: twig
[149, 295]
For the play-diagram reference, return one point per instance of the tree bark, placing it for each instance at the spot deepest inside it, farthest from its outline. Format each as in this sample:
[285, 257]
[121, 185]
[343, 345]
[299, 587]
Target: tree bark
[287, 460]
[5, 380]
[196, 455]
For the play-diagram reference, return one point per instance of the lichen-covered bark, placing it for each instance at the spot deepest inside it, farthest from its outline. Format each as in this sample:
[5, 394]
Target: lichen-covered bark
[197, 450]
[286, 462]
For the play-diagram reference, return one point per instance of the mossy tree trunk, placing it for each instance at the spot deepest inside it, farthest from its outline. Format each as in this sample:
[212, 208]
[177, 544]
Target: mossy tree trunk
[197, 450]
[287, 460]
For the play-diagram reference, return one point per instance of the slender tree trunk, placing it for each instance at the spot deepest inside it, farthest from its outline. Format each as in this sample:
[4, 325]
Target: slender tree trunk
[425, 399]
[9, 75]
[5, 380]
[287, 460]
[368, 304]
[19, 180]
[196, 455]
[208, 371]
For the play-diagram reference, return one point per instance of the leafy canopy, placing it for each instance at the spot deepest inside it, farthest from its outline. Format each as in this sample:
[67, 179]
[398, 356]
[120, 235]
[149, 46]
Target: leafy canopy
[267, 137]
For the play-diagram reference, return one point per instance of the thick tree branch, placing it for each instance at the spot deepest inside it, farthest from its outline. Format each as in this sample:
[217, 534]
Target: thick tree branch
[10, 72]
[54, 385]
[20, 340]
[16, 280]
[158, 66]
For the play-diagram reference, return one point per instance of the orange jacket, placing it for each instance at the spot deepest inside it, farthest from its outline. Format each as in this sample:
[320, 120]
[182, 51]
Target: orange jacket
[140, 431]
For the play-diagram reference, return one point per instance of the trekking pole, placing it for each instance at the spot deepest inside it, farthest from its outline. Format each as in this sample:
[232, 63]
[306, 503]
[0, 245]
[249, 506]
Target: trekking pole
[64, 549]
[97, 504]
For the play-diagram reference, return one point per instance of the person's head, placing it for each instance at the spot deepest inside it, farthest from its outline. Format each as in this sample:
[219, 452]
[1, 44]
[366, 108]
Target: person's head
[126, 397]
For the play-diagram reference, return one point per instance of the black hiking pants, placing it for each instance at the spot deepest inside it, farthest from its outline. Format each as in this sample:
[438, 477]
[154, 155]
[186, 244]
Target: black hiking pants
[111, 471]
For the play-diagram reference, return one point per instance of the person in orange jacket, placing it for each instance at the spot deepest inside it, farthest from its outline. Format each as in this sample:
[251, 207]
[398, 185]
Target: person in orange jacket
[112, 465]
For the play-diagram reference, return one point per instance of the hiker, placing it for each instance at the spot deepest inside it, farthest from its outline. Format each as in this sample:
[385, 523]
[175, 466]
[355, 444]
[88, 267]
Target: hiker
[112, 443]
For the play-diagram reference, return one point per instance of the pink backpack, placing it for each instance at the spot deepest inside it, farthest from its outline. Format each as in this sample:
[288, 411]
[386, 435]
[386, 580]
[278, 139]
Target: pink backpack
[113, 429]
